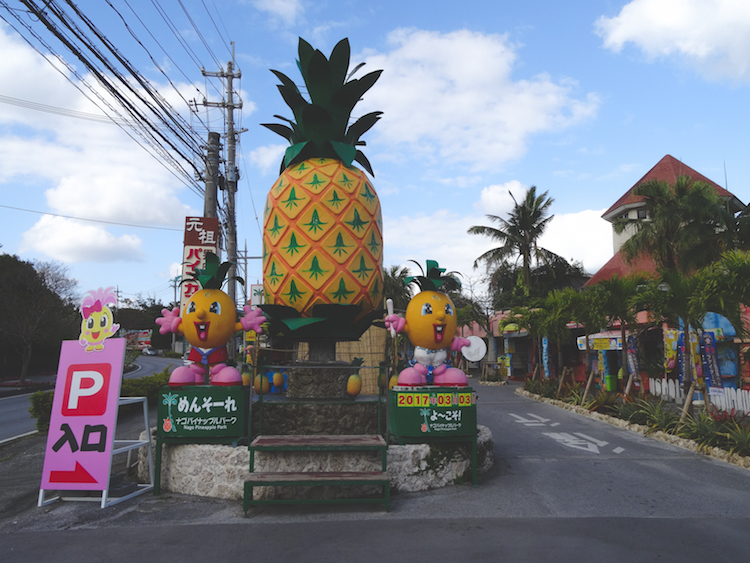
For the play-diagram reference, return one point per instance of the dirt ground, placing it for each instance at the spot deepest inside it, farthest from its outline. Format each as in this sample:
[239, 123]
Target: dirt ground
[21, 464]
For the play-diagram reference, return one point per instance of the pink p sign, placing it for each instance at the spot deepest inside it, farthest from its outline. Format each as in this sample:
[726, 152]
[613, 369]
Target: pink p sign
[84, 416]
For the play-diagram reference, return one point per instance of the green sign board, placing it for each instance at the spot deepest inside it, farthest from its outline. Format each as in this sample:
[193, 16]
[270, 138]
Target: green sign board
[202, 411]
[432, 412]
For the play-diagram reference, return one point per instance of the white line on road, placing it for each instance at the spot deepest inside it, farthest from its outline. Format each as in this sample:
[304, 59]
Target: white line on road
[19, 436]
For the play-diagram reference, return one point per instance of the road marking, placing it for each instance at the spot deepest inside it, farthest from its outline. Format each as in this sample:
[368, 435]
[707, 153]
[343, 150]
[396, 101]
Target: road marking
[19, 436]
[572, 441]
[534, 421]
[590, 439]
[618, 450]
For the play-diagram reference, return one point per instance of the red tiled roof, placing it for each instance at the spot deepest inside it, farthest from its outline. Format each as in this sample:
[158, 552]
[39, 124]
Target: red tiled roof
[667, 169]
[618, 266]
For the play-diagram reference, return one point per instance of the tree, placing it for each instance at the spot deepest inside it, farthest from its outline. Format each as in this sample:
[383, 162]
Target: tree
[33, 314]
[518, 236]
[686, 225]
[558, 308]
[396, 288]
[557, 273]
[473, 308]
[531, 319]
[587, 310]
[618, 300]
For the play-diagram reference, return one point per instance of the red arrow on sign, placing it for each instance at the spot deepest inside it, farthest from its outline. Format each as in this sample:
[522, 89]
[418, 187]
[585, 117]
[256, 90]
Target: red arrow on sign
[78, 475]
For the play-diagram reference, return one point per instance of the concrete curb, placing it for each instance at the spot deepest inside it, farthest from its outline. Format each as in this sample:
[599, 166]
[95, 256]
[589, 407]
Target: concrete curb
[716, 453]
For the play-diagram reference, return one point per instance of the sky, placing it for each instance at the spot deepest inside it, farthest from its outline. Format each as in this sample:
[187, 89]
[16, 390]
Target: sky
[481, 100]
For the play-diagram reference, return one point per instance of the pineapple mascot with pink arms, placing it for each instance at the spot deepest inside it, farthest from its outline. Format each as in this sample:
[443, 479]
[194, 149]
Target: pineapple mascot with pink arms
[208, 323]
[430, 323]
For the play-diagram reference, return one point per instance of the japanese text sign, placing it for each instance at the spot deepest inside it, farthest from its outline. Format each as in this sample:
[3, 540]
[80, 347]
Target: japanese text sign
[202, 411]
[201, 236]
[201, 231]
[84, 416]
[437, 412]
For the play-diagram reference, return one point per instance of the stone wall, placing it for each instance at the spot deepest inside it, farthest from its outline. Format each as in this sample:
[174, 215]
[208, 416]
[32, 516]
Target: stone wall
[220, 471]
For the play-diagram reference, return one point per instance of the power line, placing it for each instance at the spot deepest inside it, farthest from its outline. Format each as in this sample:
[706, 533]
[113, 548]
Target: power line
[90, 220]
[148, 141]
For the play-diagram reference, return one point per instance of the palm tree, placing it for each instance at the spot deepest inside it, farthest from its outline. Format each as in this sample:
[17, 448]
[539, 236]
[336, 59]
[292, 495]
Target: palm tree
[396, 288]
[518, 235]
[686, 225]
[685, 300]
[558, 308]
[586, 310]
[531, 320]
[618, 297]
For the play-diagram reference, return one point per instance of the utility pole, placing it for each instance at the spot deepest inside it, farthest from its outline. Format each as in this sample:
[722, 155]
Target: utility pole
[231, 174]
[212, 175]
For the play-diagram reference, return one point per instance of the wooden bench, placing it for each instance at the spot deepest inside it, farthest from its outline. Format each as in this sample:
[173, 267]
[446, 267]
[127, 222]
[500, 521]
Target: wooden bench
[320, 443]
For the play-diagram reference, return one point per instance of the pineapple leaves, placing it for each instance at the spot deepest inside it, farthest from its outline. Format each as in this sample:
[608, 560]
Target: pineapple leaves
[282, 130]
[362, 159]
[361, 126]
[346, 152]
[318, 125]
[351, 92]
[321, 126]
[305, 51]
[340, 61]
[292, 153]
[319, 81]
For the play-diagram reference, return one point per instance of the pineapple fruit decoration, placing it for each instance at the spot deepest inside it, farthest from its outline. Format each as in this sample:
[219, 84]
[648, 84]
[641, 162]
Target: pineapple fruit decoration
[322, 225]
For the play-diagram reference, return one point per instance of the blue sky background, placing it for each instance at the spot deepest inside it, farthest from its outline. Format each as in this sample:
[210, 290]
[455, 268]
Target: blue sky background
[580, 98]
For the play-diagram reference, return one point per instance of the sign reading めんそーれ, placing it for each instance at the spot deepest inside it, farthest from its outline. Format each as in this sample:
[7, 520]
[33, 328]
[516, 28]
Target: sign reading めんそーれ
[84, 416]
[202, 411]
[434, 412]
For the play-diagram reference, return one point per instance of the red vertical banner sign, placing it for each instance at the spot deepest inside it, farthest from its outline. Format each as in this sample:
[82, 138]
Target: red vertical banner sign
[201, 236]
[84, 417]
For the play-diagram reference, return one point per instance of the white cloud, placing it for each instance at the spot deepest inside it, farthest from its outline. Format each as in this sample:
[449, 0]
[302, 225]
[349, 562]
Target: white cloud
[79, 167]
[73, 241]
[583, 236]
[268, 158]
[713, 36]
[442, 236]
[497, 200]
[285, 11]
[454, 95]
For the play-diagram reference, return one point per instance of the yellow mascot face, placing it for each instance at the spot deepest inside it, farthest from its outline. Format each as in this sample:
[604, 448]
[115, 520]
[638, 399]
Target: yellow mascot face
[209, 319]
[431, 320]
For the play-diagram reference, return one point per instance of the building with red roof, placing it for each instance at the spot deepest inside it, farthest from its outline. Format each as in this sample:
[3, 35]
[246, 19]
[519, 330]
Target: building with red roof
[632, 206]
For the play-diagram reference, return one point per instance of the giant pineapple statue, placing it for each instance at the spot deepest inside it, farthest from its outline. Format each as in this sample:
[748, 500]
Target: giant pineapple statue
[322, 224]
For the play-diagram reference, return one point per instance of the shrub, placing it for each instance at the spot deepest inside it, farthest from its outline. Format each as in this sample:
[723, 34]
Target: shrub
[147, 386]
[737, 438]
[130, 357]
[41, 408]
[658, 416]
[546, 387]
[573, 394]
[702, 429]
[604, 403]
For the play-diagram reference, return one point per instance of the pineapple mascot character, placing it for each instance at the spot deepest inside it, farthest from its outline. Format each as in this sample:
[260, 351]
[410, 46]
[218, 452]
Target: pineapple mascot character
[208, 323]
[322, 225]
[430, 323]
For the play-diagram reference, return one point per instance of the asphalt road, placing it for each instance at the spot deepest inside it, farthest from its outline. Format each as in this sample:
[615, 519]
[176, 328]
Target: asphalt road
[15, 419]
[564, 488]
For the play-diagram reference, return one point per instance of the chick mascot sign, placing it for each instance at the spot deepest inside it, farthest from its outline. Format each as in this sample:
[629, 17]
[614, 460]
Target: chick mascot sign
[208, 323]
[430, 323]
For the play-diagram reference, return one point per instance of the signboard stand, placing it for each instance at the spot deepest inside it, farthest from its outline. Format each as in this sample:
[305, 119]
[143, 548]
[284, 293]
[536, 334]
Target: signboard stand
[119, 446]
[199, 414]
[433, 415]
[81, 439]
